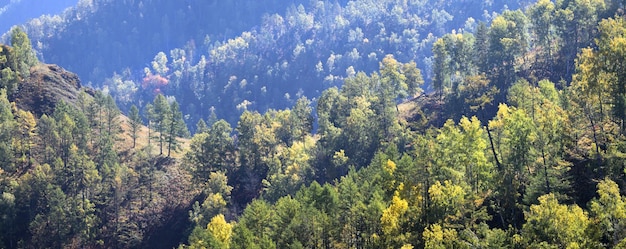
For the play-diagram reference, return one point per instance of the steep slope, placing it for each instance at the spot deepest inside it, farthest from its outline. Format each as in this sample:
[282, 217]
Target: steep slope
[47, 85]
[75, 154]
[283, 51]
[299, 53]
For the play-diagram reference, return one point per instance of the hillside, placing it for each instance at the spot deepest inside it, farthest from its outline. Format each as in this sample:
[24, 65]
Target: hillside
[348, 124]
[45, 88]
[254, 57]
[69, 165]
[110, 36]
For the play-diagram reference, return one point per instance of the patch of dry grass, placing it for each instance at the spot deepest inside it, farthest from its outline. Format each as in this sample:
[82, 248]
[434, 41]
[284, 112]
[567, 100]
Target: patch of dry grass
[126, 141]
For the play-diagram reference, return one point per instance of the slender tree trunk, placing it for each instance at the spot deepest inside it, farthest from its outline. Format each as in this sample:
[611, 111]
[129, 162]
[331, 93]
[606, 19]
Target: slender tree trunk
[595, 136]
[545, 170]
[493, 149]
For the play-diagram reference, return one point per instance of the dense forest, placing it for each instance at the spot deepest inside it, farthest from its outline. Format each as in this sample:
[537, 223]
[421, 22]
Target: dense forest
[502, 133]
[225, 57]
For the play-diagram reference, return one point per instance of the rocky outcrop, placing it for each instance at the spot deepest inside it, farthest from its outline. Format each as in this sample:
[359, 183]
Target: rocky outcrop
[47, 85]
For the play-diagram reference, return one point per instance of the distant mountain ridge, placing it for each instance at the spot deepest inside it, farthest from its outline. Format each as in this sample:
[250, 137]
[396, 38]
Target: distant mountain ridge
[224, 57]
[16, 12]
[96, 38]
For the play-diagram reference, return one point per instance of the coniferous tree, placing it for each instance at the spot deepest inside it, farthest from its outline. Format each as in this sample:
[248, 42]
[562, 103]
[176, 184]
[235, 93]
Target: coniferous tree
[9, 77]
[176, 128]
[201, 126]
[161, 118]
[8, 127]
[135, 124]
[23, 53]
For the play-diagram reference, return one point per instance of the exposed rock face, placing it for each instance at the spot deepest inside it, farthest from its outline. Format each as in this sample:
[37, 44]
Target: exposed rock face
[47, 85]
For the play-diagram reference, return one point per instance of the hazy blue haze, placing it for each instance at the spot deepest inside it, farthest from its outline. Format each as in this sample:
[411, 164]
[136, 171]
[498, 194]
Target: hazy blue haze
[14, 12]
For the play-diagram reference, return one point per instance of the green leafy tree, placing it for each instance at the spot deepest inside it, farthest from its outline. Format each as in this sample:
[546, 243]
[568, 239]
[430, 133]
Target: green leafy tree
[201, 126]
[513, 136]
[550, 224]
[254, 226]
[176, 128]
[8, 70]
[481, 47]
[414, 79]
[23, 52]
[301, 119]
[507, 42]
[160, 117]
[217, 192]
[609, 210]
[612, 52]
[548, 174]
[212, 151]
[441, 70]
[590, 92]
[8, 127]
[289, 169]
[217, 234]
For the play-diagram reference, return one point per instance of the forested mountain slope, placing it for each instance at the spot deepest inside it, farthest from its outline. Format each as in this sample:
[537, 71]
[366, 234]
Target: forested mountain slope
[74, 172]
[229, 56]
[520, 144]
[523, 162]
[96, 38]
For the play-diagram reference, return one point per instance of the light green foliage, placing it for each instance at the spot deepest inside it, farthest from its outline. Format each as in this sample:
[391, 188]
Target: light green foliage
[473, 156]
[8, 79]
[612, 52]
[381, 185]
[609, 211]
[201, 126]
[414, 79]
[217, 234]
[392, 221]
[216, 149]
[441, 78]
[217, 199]
[300, 121]
[475, 94]
[513, 136]
[550, 224]
[23, 52]
[550, 125]
[460, 156]
[453, 61]
[289, 169]
[7, 128]
[393, 79]
[507, 42]
[446, 202]
[436, 237]
[253, 230]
